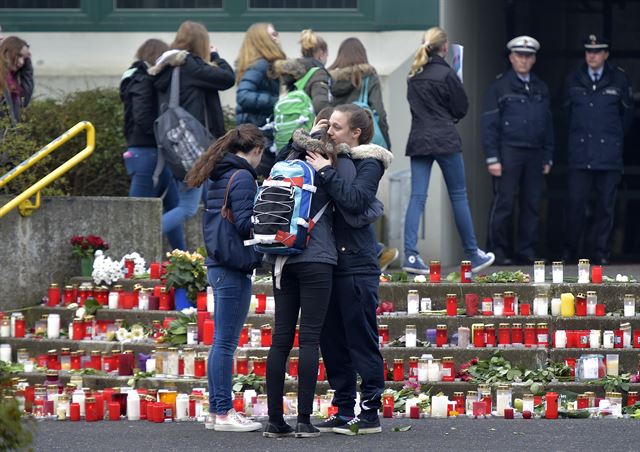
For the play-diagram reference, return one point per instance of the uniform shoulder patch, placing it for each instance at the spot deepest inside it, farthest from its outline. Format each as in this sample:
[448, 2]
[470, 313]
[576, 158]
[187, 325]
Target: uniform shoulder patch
[499, 76]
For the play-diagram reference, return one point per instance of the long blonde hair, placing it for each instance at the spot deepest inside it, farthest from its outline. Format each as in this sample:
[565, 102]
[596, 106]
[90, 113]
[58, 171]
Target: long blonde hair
[310, 43]
[194, 38]
[257, 44]
[432, 42]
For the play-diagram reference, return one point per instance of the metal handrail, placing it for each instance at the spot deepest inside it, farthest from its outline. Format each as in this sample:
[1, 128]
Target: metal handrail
[22, 201]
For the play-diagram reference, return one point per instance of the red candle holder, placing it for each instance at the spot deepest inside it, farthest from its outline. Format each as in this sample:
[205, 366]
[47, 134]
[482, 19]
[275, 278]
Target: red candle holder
[452, 305]
[434, 271]
[525, 309]
[199, 367]
[321, 371]
[20, 327]
[74, 412]
[262, 303]
[596, 274]
[114, 411]
[260, 367]
[551, 409]
[296, 337]
[265, 335]
[441, 335]
[479, 337]
[398, 369]
[490, 335]
[600, 310]
[293, 366]
[201, 301]
[129, 265]
[244, 336]
[465, 272]
[383, 333]
[207, 335]
[571, 364]
[154, 270]
[242, 365]
[414, 412]
[53, 295]
[581, 305]
[238, 402]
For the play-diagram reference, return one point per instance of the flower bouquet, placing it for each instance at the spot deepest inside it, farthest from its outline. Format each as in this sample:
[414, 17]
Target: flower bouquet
[84, 248]
[187, 274]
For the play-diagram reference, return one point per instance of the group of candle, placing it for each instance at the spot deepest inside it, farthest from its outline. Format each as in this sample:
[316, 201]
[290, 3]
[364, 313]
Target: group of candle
[586, 272]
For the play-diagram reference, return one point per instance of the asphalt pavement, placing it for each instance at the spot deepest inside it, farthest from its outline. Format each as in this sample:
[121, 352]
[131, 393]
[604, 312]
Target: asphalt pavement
[425, 434]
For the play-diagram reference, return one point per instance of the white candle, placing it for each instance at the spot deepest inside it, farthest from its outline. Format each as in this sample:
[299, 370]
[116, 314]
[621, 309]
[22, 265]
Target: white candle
[150, 365]
[439, 406]
[433, 371]
[560, 339]
[594, 338]
[182, 407]
[133, 405]
[612, 365]
[113, 300]
[409, 403]
[556, 303]
[78, 397]
[210, 299]
[5, 352]
[53, 326]
[607, 339]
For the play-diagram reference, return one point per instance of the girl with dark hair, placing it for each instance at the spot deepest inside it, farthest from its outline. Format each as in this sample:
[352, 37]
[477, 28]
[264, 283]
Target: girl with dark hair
[348, 72]
[349, 338]
[202, 75]
[229, 165]
[140, 104]
[16, 77]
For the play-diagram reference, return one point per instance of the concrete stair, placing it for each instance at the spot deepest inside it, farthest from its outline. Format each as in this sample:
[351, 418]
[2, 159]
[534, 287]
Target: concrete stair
[610, 294]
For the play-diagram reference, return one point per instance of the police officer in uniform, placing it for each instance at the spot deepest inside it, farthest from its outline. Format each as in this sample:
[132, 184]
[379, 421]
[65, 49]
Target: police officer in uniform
[599, 106]
[517, 136]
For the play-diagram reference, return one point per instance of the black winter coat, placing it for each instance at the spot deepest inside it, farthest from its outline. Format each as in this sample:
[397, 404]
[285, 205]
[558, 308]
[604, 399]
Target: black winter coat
[14, 105]
[599, 115]
[241, 195]
[199, 86]
[517, 115]
[437, 101]
[140, 104]
[357, 253]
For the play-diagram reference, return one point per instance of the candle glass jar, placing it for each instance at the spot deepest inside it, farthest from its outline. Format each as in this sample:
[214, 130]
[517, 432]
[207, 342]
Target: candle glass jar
[629, 305]
[434, 371]
[542, 333]
[53, 295]
[161, 358]
[557, 272]
[411, 336]
[448, 369]
[265, 335]
[478, 335]
[452, 305]
[242, 365]
[260, 366]
[626, 334]
[541, 304]
[434, 271]
[413, 368]
[172, 361]
[398, 369]
[472, 396]
[425, 304]
[490, 335]
[632, 398]
[581, 305]
[293, 366]
[413, 302]
[528, 403]
[192, 333]
[504, 334]
[423, 365]
[5, 327]
[441, 335]
[498, 304]
[509, 303]
[20, 326]
[465, 272]
[592, 301]
[188, 358]
[583, 271]
[530, 338]
[200, 367]
[383, 333]
[503, 398]
[463, 336]
[538, 272]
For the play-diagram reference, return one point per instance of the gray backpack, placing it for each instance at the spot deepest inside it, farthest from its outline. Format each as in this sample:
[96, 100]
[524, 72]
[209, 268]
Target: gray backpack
[180, 137]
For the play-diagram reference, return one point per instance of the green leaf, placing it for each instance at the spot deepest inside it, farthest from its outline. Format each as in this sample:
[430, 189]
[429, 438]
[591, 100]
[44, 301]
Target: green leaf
[237, 387]
[405, 428]
[354, 428]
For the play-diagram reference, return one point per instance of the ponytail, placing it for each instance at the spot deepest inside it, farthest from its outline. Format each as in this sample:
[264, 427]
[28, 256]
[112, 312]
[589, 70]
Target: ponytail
[310, 43]
[243, 138]
[433, 41]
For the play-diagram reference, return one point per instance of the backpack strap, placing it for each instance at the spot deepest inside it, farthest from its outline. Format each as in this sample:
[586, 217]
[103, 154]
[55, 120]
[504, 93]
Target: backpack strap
[364, 91]
[317, 216]
[301, 83]
[225, 211]
[174, 93]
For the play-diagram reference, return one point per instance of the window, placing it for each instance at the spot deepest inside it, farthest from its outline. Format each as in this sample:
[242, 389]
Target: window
[303, 4]
[40, 4]
[168, 4]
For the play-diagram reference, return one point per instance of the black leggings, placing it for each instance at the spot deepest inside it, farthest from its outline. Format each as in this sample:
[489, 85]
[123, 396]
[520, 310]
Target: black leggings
[305, 288]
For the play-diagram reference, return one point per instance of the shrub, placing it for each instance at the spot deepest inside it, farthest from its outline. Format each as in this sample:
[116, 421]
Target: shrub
[102, 174]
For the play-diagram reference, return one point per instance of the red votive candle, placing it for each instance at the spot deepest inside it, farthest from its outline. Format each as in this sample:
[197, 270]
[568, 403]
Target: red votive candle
[154, 270]
[207, 336]
[525, 309]
[508, 413]
[600, 311]
[332, 410]
[262, 303]
[414, 412]
[74, 411]
[114, 411]
[54, 295]
[201, 301]
[596, 274]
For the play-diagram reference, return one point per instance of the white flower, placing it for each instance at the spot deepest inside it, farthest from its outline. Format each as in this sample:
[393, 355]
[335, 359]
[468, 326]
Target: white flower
[121, 334]
[422, 396]
[80, 313]
[106, 270]
[189, 311]
[137, 334]
[622, 278]
[420, 279]
[138, 261]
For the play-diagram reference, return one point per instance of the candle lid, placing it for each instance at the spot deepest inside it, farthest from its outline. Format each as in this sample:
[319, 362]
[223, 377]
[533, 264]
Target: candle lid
[503, 325]
[434, 262]
[265, 326]
[472, 393]
[293, 358]
[465, 263]
[529, 325]
[542, 325]
[383, 327]
[489, 326]
[413, 359]
[538, 263]
[458, 394]
[583, 261]
[557, 263]
[441, 327]
[516, 325]
[452, 295]
[509, 294]
[447, 359]
[398, 360]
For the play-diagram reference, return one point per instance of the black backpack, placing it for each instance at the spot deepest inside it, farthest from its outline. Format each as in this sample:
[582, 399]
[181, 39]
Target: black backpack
[180, 137]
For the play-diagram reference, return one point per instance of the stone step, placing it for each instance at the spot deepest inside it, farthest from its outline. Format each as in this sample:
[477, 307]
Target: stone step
[395, 321]
[530, 358]
[611, 294]
[185, 385]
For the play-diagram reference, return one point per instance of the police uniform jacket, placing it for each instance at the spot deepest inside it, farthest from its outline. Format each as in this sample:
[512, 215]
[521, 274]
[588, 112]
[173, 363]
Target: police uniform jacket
[515, 116]
[437, 101]
[599, 114]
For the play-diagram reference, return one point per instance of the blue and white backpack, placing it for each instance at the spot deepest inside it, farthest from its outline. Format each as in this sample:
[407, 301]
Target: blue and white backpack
[281, 222]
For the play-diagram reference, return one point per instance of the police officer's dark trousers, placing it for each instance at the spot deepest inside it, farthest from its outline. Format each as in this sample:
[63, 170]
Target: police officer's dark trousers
[349, 344]
[521, 173]
[604, 186]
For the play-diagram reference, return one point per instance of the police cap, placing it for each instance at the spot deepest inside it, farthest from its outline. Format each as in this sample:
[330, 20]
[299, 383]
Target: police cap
[523, 44]
[595, 43]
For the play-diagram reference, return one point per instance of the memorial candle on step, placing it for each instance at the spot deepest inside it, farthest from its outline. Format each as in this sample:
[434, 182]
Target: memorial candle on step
[567, 307]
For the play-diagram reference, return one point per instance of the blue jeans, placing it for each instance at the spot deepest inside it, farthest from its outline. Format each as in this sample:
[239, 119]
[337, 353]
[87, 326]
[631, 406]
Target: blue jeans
[173, 220]
[452, 167]
[232, 290]
[140, 163]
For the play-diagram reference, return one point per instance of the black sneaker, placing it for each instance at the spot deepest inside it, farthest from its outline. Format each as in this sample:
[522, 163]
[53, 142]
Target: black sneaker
[329, 424]
[278, 431]
[306, 431]
[358, 426]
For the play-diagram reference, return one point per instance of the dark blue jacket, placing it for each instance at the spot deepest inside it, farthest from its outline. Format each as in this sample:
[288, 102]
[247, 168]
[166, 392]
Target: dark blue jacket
[256, 94]
[599, 115]
[241, 195]
[515, 116]
[356, 246]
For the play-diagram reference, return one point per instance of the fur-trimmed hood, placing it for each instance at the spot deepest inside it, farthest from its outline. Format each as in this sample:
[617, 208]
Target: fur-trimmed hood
[322, 145]
[343, 78]
[171, 57]
[372, 151]
[291, 70]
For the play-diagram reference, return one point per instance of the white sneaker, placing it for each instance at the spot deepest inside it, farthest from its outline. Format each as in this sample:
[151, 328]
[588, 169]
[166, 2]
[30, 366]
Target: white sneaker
[210, 421]
[235, 422]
